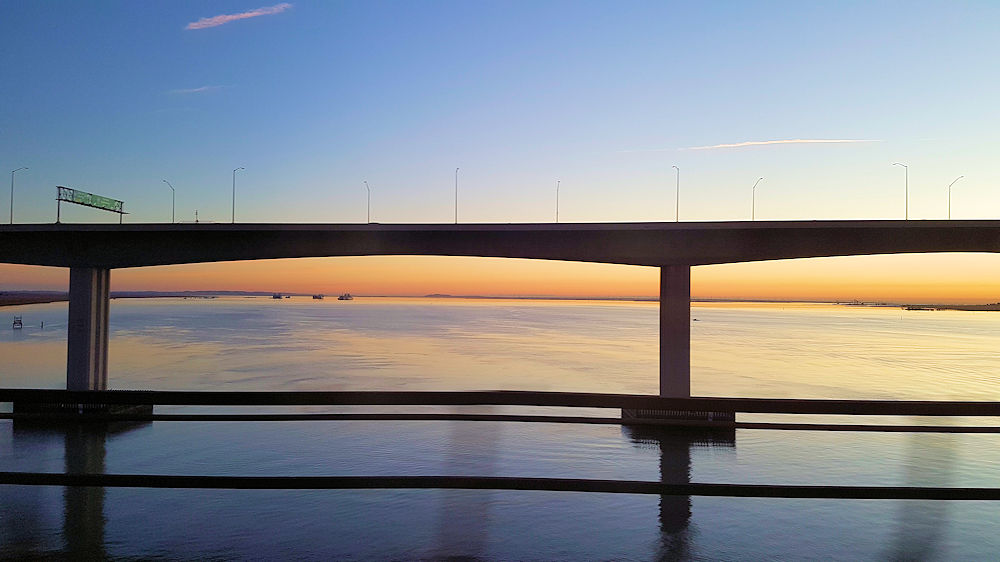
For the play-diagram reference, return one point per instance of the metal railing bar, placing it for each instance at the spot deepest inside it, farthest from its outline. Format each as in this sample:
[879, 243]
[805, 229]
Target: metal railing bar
[509, 398]
[73, 418]
[315, 417]
[496, 483]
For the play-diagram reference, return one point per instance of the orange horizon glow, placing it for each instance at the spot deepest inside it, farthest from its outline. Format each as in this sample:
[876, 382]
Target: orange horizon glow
[912, 278]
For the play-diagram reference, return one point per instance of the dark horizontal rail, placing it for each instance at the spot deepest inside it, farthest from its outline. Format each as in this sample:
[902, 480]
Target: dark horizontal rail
[496, 483]
[507, 398]
[404, 416]
[400, 416]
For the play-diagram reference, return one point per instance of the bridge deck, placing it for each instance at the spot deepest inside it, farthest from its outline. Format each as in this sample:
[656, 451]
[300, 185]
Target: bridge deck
[651, 244]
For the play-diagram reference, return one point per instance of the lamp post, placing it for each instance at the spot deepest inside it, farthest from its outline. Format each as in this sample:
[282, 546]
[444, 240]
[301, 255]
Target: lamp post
[753, 199]
[456, 195]
[906, 186]
[557, 199]
[12, 191]
[234, 192]
[949, 194]
[369, 202]
[677, 195]
[172, 199]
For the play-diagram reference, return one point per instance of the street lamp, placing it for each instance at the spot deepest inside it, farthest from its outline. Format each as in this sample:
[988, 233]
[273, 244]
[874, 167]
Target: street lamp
[12, 192]
[173, 195]
[456, 195]
[753, 199]
[234, 192]
[949, 194]
[677, 193]
[557, 199]
[906, 186]
[369, 202]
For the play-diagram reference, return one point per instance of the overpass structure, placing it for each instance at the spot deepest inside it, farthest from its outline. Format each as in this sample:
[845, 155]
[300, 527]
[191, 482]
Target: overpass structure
[91, 251]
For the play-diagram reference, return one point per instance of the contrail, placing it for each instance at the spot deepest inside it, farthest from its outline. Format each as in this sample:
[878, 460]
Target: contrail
[785, 141]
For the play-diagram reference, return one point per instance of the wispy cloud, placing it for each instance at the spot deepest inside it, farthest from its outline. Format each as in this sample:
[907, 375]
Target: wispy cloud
[784, 141]
[215, 21]
[200, 90]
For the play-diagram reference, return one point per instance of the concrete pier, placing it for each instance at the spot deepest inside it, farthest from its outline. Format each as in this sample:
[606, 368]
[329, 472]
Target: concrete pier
[675, 331]
[87, 349]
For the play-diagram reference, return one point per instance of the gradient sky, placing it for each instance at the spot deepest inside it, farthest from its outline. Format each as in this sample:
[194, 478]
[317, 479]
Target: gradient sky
[315, 97]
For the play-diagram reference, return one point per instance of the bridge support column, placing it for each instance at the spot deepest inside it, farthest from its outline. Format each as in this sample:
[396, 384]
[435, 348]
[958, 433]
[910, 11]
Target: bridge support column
[87, 350]
[675, 331]
[675, 355]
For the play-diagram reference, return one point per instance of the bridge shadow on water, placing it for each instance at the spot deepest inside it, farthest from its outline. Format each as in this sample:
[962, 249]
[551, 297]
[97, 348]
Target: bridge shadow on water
[921, 526]
[26, 523]
[674, 446]
[463, 520]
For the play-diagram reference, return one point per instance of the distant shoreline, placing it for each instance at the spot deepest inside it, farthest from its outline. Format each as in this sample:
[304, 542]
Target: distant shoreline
[19, 298]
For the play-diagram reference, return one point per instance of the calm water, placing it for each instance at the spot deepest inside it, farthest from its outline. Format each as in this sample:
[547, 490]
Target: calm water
[814, 351]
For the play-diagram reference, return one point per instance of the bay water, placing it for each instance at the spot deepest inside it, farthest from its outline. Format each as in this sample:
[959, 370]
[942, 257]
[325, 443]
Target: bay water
[778, 350]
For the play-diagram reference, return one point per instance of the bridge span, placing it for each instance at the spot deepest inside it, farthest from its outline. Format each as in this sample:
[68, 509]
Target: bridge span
[91, 251]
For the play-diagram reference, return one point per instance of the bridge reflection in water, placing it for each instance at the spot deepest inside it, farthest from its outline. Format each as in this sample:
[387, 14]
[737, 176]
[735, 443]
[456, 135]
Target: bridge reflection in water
[674, 446]
[25, 518]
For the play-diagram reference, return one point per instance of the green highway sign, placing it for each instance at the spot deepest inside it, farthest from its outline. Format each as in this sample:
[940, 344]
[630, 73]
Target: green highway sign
[89, 199]
[71, 195]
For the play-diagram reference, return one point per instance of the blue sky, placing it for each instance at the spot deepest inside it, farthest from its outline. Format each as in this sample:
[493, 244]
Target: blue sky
[113, 97]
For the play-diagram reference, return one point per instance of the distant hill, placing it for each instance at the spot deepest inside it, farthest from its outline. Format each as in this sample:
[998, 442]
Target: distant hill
[11, 298]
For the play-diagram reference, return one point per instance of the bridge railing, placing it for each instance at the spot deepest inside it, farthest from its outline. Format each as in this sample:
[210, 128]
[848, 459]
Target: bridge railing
[485, 398]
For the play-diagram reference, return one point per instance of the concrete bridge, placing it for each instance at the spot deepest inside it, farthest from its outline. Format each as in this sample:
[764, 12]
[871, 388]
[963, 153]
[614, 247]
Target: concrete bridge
[91, 251]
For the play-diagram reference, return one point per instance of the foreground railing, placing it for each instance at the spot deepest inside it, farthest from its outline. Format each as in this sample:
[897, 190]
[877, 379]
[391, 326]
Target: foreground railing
[64, 405]
[89, 403]
[504, 398]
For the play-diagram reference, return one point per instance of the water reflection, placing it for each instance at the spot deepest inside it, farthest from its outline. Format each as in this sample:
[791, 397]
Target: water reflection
[674, 446]
[27, 524]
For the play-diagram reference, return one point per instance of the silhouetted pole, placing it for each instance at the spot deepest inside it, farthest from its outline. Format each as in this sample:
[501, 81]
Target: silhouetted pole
[456, 195]
[172, 195]
[234, 192]
[677, 195]
[949, 194]
[753, 199]
[906, 186]
[369, 202]
[557, 200]
[12, 191]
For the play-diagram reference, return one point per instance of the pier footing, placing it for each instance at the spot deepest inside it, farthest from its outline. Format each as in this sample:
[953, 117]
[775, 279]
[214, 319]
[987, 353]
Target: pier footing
[678, 418]
[81, 412]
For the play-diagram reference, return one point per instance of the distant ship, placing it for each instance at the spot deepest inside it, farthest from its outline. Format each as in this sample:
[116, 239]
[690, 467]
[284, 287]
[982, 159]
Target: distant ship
[317, 297]
[345, 297]
[276, 296]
